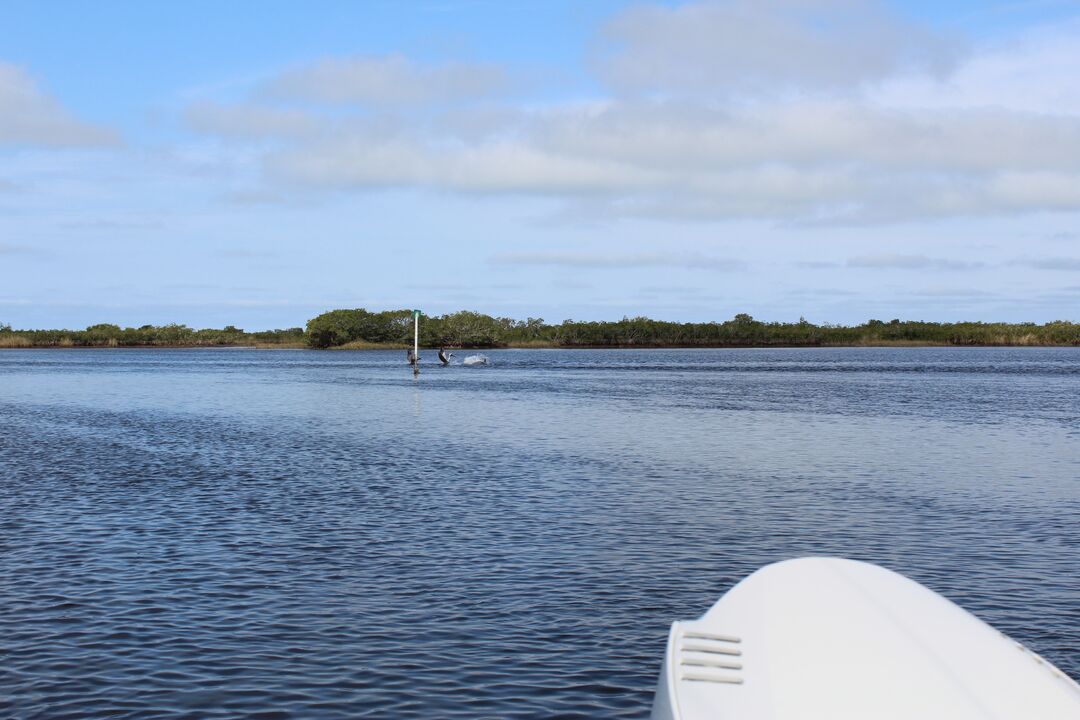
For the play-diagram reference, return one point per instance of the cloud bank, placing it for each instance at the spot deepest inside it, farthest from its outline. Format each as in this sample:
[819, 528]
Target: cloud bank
[891, 261]
[391, 80]
[29, 116]
[827, 112]
[749, 47]
[691, 261]
[1065, 264]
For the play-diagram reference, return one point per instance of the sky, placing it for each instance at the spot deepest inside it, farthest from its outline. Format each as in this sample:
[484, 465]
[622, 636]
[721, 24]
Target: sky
[257, 163]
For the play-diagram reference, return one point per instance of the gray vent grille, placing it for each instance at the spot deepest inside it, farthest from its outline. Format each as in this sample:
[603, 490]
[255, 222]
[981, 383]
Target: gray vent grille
[709, 657]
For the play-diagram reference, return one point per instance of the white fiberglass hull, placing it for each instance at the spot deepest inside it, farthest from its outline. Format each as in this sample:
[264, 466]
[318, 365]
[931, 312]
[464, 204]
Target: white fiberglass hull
[834, 639]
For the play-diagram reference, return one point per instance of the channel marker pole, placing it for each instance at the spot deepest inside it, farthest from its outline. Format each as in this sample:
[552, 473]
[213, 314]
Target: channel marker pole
[416, 341]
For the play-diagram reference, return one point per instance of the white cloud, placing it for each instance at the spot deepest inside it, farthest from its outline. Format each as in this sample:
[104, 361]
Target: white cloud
[690, 261]
[1038, 190]
[910, 262]
[28, 116]
[386, 81]
[1068, 264]
[750, 47]
[833, 135]
[249, 121]
[831, 161]
[958, 293]
[1033, 72]
[370, 160]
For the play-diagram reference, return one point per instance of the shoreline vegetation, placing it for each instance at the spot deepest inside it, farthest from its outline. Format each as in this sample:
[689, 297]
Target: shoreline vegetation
[359, 329]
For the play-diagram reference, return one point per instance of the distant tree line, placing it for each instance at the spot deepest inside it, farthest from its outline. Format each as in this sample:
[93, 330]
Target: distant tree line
[460, 329]
[106, 335]
[393, 328]
[474, 330]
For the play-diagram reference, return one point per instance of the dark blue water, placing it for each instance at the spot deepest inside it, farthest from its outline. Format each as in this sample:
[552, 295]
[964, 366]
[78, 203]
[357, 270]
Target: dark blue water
[274, 534]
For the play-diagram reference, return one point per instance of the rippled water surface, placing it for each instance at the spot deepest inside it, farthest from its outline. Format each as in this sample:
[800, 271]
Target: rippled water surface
[274, 534]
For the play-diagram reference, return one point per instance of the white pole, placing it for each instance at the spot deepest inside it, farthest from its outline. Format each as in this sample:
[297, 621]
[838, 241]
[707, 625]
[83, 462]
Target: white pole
[416, 335]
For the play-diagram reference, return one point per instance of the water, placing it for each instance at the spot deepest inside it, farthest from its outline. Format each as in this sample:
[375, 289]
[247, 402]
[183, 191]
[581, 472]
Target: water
[273, 534]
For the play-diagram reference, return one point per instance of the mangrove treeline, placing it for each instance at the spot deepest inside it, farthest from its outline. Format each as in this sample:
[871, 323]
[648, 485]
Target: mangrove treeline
[473, 330]
[360, 328]
[148, 336]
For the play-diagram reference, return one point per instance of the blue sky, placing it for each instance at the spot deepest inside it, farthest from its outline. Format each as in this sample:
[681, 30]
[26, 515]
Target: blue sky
[257, 163]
